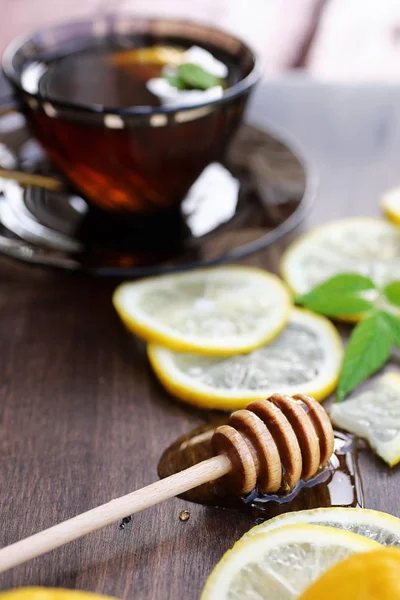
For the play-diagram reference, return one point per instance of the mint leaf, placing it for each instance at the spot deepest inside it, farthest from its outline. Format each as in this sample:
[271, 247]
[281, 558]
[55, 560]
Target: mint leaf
[339, 295]
[345, 282]
[175, 81]
[332, 306]
[393, 323]
[392, 292]
[196, 77]
[367, 351]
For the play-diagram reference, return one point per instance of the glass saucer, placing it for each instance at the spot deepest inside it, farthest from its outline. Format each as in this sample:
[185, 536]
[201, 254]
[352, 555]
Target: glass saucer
[261, 192]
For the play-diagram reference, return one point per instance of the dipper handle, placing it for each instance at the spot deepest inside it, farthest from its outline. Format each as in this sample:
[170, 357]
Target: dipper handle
[270, 445]
[72, 529]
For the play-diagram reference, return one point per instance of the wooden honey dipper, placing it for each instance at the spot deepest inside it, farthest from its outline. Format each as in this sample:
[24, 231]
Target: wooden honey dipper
[270, 445]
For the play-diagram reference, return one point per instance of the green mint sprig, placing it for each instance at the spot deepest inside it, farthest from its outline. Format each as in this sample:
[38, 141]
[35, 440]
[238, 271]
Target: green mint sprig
[191, 76]
[175, 81]
[367, 351]
[372, 339]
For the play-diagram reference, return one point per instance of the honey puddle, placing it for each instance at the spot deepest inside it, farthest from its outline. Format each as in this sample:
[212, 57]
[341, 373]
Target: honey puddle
[338, 484]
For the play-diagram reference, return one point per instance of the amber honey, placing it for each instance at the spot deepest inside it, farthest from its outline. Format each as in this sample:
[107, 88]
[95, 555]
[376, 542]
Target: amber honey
[337, 484]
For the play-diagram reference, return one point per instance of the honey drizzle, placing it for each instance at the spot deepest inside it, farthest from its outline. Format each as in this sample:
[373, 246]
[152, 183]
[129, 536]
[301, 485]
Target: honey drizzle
[338, 484]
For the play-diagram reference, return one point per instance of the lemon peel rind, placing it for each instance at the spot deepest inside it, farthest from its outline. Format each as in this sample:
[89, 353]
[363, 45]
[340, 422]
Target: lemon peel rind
[345, 516]
[370, 576]
[387, 205]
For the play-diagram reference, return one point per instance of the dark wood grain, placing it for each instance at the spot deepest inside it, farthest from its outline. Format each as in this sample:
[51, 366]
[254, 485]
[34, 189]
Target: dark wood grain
[83, 419]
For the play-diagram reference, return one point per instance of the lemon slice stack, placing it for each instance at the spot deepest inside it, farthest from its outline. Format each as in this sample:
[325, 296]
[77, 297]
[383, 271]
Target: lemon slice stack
[304, 358]
[219, 338]
[281, 564]
[281, 558]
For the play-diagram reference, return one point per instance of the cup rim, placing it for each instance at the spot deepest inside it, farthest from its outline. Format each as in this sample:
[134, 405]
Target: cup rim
[237, 89]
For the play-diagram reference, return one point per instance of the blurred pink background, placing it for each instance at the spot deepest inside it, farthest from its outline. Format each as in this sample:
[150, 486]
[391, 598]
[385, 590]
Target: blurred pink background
[336, 40]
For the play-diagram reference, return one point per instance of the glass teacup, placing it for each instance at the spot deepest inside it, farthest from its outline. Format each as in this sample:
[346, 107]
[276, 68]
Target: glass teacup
[130, 159]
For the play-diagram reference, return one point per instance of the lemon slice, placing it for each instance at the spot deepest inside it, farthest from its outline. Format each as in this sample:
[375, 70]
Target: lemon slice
[390, 203]
[305, 358]
[367, 576]
[375, 416]
[156, 55]
[44, 593]
[378, 526]
[220, 311]
[280, 564]
[369, 246]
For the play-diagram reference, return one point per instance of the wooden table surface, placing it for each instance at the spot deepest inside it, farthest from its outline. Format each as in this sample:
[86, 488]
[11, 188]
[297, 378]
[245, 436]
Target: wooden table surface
[83, 420]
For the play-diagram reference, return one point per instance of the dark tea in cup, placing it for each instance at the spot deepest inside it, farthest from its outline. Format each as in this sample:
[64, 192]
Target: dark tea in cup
[84, 88]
